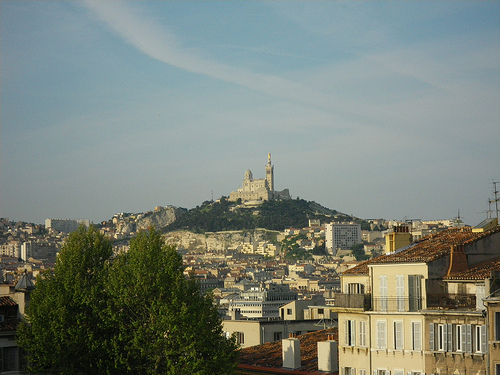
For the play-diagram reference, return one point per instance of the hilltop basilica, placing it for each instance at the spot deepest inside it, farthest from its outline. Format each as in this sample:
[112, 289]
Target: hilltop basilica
[259, 190]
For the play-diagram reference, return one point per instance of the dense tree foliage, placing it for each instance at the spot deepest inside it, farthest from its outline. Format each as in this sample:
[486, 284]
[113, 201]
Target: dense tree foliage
[358, 251]
[64, 334]
[165, 325]
[132, 314]
[273, 215]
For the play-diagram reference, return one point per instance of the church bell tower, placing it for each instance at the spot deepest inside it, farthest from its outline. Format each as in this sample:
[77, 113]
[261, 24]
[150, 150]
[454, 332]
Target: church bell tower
[270, 173]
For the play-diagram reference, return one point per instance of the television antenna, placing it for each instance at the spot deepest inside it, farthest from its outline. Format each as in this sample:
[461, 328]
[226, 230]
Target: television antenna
[495, 195]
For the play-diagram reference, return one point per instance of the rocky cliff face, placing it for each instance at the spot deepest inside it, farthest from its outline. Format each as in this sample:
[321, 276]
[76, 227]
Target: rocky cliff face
[217, 241]
[159, 218]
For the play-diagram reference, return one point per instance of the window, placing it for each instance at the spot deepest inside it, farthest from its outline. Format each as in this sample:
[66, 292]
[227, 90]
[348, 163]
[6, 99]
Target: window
[355, 288]
[416, 328]
[414, 292]
[321, 311]
[398, 335]
[467, 338]
[362, 371]
[383, 292]
[497, 326]
[463, 338]
[240, 337]
[9, 359]
[348, 371]
[350, 332]
[381, 334]
[277, 336]
[398, 372]
[362, 334]
[458, 338]
[400, 292]
[480, 339]
[440, 337]
[289, 311]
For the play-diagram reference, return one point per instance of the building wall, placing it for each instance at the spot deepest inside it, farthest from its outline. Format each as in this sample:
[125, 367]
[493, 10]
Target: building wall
[257, 332]
[493, 316]
[341, 236]
[354, 351]
[446, 356]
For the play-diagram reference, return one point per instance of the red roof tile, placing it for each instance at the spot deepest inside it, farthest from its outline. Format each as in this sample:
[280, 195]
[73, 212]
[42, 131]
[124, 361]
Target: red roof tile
[268, 357]
[7, 301]
[479, 272]
[427, 249]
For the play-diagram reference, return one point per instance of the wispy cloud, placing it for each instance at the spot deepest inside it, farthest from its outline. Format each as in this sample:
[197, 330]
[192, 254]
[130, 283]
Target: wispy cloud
[150, 37]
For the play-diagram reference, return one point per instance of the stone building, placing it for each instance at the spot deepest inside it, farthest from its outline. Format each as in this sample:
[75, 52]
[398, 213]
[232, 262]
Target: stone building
[259, 190]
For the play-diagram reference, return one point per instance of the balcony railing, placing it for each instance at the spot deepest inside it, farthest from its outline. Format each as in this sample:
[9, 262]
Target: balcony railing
[399, 304]
[451, 301]
[353, 301]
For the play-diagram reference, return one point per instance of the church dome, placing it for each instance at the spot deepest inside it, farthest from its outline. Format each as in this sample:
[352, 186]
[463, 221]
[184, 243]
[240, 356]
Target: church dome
[248, 175]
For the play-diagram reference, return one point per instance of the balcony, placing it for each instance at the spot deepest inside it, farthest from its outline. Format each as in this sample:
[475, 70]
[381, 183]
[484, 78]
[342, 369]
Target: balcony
[397, 304]
[451, 301]
[353, 301]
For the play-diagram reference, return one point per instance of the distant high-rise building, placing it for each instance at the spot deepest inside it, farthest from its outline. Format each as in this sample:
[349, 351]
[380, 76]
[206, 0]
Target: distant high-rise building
[341, 236]
[65, 225]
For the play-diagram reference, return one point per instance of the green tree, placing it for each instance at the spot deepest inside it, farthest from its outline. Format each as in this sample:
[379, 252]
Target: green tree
[64, 333]
[165, 325]
[358, 251]
[133, 314]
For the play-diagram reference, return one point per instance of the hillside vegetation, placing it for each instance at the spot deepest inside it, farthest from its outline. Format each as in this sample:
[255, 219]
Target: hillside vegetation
[274, 215]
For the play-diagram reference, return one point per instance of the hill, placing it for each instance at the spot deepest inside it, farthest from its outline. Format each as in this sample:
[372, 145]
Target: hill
[223, 215]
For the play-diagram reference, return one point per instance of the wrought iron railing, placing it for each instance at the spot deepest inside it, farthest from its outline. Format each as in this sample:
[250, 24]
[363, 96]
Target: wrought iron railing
[353, 301]
[399, 304]
[451, 301]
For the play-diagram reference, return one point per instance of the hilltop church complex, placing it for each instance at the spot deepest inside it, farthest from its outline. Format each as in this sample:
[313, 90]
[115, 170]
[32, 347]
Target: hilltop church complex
[259, 190]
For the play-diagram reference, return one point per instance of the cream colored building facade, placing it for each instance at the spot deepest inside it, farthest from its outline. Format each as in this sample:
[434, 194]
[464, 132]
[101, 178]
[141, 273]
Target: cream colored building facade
[420, 310]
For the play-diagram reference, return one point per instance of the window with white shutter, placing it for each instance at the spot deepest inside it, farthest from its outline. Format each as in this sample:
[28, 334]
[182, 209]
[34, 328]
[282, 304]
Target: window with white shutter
[398, 335]
[400, 292]
[362, 334]
[381, 334]
[416, 328]
[350, 332]
[432, 345]
[480, 339]
[383, 292]
[468, 338]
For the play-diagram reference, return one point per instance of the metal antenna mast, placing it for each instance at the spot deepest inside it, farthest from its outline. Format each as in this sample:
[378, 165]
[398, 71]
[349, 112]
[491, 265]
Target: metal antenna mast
[495, 194]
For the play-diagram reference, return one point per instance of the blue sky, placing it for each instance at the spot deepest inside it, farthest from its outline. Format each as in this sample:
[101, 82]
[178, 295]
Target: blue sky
[376, 109]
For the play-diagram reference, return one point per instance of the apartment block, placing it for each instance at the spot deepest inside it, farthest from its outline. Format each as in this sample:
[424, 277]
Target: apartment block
[421, 309]
[341, 236]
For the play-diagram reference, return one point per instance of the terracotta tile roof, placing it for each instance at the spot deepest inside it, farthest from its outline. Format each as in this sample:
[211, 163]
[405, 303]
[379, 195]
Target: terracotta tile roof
[267, 358]
[426, 249]
[361, 268]
[479, 272]
[7, 301]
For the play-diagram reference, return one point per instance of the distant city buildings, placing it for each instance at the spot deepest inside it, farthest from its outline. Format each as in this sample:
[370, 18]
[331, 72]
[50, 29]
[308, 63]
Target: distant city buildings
[65, 225]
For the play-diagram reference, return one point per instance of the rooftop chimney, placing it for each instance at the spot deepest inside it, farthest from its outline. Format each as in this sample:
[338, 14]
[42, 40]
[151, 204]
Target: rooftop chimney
[458, 259]
[291, 352]
[327, 355]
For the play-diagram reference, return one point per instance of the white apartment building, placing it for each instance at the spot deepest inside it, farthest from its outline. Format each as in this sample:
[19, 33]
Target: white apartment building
[262, 302]
[341, 236]
[65, 225]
